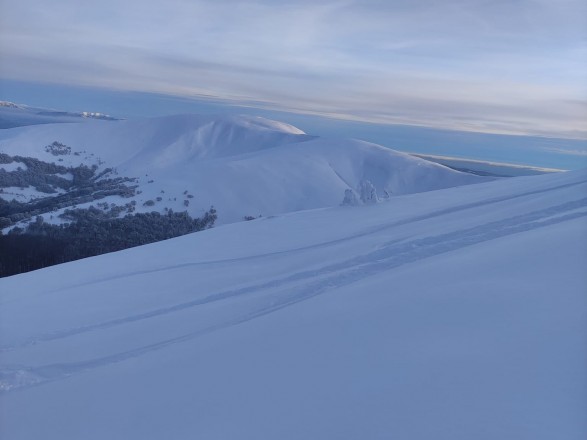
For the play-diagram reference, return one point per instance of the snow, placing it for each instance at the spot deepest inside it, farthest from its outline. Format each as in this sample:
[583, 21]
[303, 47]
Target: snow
[25, 194]
[17, 115]
[243, 165]
[12, 166]
[490, 168]
[449, 314]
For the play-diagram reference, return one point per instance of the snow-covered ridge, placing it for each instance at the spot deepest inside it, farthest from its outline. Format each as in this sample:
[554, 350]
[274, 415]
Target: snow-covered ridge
[96, 115]
[245, 166]
[18, 115]
[482, 167]
[9, 104]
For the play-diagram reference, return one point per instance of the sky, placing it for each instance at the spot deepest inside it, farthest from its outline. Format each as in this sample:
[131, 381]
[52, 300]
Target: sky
[515, 66]
[491, 66]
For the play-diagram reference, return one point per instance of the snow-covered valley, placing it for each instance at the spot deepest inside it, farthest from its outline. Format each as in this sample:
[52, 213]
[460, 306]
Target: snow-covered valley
[451, 314]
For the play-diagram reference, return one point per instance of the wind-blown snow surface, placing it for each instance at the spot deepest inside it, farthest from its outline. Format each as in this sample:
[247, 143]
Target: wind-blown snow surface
[244, 166]
[453, 314]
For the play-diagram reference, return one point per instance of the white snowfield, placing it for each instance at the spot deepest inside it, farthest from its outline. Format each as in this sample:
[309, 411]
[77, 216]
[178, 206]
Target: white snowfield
[243, 165]
[453, 314]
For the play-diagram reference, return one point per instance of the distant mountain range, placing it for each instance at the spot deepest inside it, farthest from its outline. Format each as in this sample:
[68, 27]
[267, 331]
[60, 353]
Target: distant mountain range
[18, 115]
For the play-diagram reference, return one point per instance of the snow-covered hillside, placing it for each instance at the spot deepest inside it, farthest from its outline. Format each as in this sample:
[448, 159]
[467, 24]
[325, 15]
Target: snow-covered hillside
[244, 166]
[454, 314]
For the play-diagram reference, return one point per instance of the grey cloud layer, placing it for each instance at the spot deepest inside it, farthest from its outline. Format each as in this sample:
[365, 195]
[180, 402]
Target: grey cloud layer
[504, 66]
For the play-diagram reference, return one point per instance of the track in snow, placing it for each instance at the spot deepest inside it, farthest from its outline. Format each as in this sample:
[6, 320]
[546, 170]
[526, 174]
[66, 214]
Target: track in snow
[297, 287]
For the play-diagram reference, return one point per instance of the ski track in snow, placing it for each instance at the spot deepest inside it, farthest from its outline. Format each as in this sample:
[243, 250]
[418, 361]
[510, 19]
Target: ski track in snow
[251, 289]
[365, 233]
[306, 284]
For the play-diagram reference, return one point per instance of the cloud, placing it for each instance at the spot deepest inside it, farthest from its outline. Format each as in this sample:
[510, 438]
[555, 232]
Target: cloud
[501, 66]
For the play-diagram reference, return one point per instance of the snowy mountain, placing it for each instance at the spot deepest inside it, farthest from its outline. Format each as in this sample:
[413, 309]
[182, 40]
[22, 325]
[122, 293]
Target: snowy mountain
[18, 115]
[485, 168]
[453, 314]
[244, 166]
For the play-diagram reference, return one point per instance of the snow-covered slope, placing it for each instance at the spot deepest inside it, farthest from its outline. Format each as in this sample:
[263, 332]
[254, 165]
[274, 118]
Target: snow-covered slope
[454, 314]
[244, 166]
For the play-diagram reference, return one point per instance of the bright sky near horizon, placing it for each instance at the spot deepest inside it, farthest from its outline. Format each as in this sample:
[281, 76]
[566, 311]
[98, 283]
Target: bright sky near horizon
[515, 66]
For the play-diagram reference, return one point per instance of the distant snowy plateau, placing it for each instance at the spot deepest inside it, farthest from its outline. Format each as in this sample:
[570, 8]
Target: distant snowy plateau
[433, 305]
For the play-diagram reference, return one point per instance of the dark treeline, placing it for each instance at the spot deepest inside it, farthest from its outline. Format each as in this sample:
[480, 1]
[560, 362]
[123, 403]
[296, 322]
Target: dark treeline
[83, 184]
[43, 176]
[90, 233]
